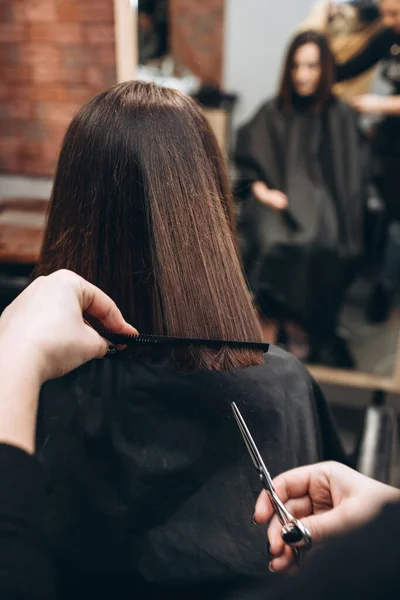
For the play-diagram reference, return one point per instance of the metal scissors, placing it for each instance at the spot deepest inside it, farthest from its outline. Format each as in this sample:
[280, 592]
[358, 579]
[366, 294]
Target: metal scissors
[294, 533]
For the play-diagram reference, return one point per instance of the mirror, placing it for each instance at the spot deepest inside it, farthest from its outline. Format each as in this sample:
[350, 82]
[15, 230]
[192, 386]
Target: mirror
[181, 45]
[237, 50]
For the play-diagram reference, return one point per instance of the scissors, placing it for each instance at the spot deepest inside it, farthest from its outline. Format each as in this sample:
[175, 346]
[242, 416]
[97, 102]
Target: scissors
[293, 533]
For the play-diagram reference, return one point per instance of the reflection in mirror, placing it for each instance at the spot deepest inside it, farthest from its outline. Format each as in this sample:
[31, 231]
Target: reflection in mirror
[314, 232]
[159, 59]
[180, 46]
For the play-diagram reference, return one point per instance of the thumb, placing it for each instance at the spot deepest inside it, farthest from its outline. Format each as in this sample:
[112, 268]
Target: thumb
[321, 527]
[96, 346]
[324, 525]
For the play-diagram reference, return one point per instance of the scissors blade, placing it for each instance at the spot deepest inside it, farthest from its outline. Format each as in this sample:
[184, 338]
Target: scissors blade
[252, 448]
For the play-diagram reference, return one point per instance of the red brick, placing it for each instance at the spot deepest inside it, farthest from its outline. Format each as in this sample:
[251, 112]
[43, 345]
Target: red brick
[59, 92]
[105, 55]
[74, 56]
[29, 148]
[94, 76]
[42, 73]
[34, 166]
[4, 90]
[18, 10]
[61, 33]
[72, 76]
[60, 112]
[68, 10]
[85, 10]
[12, 127]
[55, 131]
[9, 157]
[80, 94]
[55, 55]
[12, 32]
[20, 90]
[97, 11]
[21, 74]
[40, 11]
[41, 53]
[20, 109]
[51, 152]
[100, 77]
[9, 54]
[99, 34]
[6, 12]
[54, 92]
[110, 76]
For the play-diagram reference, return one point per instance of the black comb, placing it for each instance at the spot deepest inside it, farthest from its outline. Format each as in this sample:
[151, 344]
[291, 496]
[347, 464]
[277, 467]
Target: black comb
[148, 339]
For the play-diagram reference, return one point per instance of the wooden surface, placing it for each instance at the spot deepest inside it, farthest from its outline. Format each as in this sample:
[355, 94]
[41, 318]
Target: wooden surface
[22, 222]
[354, 379]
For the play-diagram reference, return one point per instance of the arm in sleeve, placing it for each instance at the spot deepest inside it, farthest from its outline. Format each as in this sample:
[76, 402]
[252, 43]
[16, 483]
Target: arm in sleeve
[26, 571]
[367, 58]
[361, 564]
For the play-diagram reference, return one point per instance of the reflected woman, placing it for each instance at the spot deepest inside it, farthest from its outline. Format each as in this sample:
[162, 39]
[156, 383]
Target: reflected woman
[300, 179]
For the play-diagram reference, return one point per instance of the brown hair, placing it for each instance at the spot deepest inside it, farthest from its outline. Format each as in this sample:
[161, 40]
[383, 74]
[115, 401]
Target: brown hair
[141, 207]
[324, 91]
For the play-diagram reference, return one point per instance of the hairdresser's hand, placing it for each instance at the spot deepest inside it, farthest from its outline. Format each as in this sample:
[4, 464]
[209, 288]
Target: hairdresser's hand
[369, 104]
[329, 498]
[272, 198]
[43, 330]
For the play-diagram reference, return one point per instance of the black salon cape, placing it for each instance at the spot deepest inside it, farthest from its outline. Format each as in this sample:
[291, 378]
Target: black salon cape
[150, 481]
[302, 265]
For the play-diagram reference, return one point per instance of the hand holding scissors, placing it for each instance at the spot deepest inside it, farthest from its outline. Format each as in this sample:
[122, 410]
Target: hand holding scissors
[294, 533]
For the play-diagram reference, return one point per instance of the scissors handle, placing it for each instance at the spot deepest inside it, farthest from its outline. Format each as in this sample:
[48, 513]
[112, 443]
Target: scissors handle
[294, 533]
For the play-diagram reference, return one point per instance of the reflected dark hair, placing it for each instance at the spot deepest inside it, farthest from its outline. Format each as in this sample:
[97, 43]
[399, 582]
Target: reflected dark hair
[141, 207]
[324, 91]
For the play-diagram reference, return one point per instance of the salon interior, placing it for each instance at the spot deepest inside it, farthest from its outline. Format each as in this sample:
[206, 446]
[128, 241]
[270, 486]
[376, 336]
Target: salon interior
[316, 232]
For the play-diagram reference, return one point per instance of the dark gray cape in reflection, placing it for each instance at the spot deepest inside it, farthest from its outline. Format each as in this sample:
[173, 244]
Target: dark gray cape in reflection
[301, 261]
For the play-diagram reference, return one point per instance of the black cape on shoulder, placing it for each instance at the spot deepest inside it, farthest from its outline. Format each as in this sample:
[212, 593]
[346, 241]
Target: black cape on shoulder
[149, 477]
[316, 160]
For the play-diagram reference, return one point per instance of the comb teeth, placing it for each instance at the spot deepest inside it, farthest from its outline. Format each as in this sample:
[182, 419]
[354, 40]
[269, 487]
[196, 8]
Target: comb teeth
[161, 340]
[147, 338]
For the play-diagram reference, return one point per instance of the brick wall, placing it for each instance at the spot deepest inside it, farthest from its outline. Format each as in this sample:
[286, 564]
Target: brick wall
[197, 36]
[54, 56]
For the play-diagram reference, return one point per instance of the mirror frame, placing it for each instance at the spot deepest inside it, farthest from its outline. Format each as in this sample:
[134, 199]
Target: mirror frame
[126, 39]
[126, 56]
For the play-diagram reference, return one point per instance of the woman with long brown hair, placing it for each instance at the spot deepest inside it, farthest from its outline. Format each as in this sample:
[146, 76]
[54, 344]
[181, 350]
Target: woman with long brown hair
[150, 486]
[301, 182]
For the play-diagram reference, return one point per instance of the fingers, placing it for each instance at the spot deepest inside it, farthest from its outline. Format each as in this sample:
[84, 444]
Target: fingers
[299, 508]
[292, 484]
[97, 346]
[282, 195]
[282, 562]
[100, 307]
